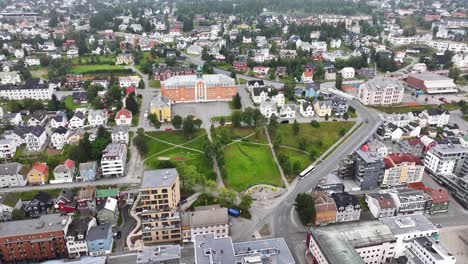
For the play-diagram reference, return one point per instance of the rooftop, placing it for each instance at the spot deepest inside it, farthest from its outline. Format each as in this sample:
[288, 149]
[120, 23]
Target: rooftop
[408, 224]
[159, 178]
[430, 77]
[206, 217]
[268, 251]
[190, 80]
[46, 223]
[209, 249]
[157, 254]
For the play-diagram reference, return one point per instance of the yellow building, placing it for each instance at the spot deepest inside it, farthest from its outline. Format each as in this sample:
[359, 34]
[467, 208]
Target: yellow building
[323, 108]
[39, 174]
[161, 107]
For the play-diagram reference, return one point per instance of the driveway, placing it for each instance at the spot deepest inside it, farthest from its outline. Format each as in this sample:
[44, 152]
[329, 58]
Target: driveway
[128, 223]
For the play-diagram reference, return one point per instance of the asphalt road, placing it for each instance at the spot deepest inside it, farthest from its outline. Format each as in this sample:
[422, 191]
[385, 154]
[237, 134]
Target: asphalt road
[128, 223]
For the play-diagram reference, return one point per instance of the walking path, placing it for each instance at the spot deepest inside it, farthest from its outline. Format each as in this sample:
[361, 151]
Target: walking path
[285, 181]
[174, 146]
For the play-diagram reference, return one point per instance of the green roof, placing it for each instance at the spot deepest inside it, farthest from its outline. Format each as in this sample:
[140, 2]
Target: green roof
[102, 193]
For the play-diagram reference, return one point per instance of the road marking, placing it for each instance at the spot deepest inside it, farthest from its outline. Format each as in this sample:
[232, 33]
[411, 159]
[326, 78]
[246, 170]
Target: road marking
[292, 217]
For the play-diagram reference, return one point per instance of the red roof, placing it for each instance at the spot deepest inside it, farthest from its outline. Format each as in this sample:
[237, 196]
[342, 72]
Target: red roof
[308, 74]
[415, 141]
[438, 195]
[40, 167]
[123, 112]
[130, 89]
[396, 158]
[69, 164]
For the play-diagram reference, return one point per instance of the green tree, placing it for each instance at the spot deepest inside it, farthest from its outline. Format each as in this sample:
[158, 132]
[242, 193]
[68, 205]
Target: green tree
[346, 116]
[246, 202]
[454, 73]
[295, 127]
[339, 81]
[17, 214]
[273, 124]
[236, 118]
[140, 142]
[177, 121]
[222, 121]
[342, 131]
[131, 103]
[227, 198]
[327, 117]
[141, 84]
[236, 101]
[305, 207]
[154, 120]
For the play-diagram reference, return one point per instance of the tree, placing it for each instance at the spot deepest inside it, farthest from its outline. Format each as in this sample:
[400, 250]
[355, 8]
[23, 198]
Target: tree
[222, 121]
[339, 81]
[154, 120]
[273, 124]
[17, 214]
[246, 202]
[236, 101]
[140, 142]
[346, 116]
[141, 84]
[226, 197]
[190, 176]
[454, 73]
[177, 121]
[342, 131]
[305, 207]
[435, 30]
[236, 118]
[54, 104]
[131, 103]
[295, 127]
[233, 74]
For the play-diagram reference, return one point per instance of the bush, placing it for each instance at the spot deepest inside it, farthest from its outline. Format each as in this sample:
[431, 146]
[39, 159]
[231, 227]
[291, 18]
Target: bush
[315, 124]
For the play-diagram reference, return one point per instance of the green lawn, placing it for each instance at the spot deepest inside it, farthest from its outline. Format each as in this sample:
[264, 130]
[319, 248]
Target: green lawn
[242, 81]
[248, 164]
[295, 155]
[224, 66]
[82, 69]
[317, 139]
[69, 104]
[246, 133]
[174, 136]
[40, 72]
[10, 199]
[197, 143]
[154, 83]
[109, 59]
[182, 155]
[405, 109]
[155, 146]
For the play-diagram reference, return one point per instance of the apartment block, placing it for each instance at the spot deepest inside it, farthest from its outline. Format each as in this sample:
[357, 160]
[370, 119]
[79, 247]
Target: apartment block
[159, 207]
[211, 219]
[401, 169]
[368, 169]
[113, 160]
[381, 91]
[446, 159]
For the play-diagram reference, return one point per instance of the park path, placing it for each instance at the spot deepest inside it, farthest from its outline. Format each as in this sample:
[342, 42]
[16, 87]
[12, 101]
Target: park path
[285, 181]
[175, 145]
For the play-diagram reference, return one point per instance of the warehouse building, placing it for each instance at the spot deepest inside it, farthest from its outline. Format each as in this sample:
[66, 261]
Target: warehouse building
[431, 83]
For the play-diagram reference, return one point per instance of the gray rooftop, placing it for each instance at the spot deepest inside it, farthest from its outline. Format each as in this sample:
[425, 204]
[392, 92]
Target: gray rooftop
[369, 156]
[206, 217]
[408, 224]
[88, 165]
[10, 168]
[81, 260]
[159, 178]
[98, 232]
[381, 83]
[338, 242]
[431, 77]
[159, 254]
[209, 249]
[46, 223]
[267, 251]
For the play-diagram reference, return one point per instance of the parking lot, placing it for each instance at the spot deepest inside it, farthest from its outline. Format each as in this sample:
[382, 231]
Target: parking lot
[204, 111]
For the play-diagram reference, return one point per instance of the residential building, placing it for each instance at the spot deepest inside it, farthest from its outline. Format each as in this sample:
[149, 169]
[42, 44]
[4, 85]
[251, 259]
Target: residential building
[124, 59]
[5, 212]
[39, 205]
[76, 235]
[37, 118]
[78, 120]
[10, 77]
[348, 72]
[199, 88]
[37, 240]
[160, 196]
[88, 171]
[325, 209]
[446, 159]
[347, 207]
[401, 169]
[120, 135]
[288, 111]
[211, 219]
[103, 194]
[108, 212]
[59, 120]
[363, 242]
[86, 199]
[406, 228]
[330, 184]
[339, 106]
[307, 77]
[65, 202]
[7, 148]
[268, 108]
[161, 107]
[381, 91]
[427, 250]
[460, 60]
[376, 146]
[123, 117]
[260, 94]
[97, 118]
[164, 73]
[13, 174]
[59, 137]
[255, 84]
[64, 173]
[413, 147]
[39, 174]
[410, 201]
[33, 89]
[306, 109]
[439, 198]
[114, 159]
[100, 240]
[129, 81]
[434, 118]
[323, 108]
[369, 169]
[432, 83]
[381, 204]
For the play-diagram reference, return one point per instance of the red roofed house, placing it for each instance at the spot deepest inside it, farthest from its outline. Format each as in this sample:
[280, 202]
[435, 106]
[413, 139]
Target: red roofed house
[440, 197]
[39, 174]
[123, 117]
[130, 89]
[413, 146]
[401, 169]
[239, 66]
[308, 77]
[65, 172]
[65, 202]
[325, 209]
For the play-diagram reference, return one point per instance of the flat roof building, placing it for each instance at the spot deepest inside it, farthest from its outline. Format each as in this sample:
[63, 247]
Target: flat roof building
[432, 83]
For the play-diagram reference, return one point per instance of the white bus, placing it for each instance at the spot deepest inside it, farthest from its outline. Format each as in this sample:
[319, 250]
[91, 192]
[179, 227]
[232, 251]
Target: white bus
[305, 172]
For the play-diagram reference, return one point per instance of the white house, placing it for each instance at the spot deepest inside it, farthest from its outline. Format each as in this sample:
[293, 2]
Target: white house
[260, 94]
[434, 118]
[347, 72]
[97, 118]
[32, 61]
[268, 108]
[120, 135]
[10, 78]
[59, 120]
[123, 117]
[335, 43]
[76, 235]
[319, 46]
[288, 111]
[113, 160]
[59, 137]
[460, 60]
[307, 77]
[7, 148]
[13, 118]
[64, 173]
[35, 138]
[19, 53]
[127, 81]
[278, 100]
[72, 53]
[306, 109]
[78, 120]
[194, 50]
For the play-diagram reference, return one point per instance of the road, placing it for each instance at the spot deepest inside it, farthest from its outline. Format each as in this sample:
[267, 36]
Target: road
[128, 223]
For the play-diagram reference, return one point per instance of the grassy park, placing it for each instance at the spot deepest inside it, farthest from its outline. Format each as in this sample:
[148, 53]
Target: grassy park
[248, 164]
[83, 69]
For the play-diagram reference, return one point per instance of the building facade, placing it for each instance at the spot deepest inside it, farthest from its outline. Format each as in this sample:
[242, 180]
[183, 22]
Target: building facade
[401, 169]
[113, 160]
[381, 91]
[369, 169]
